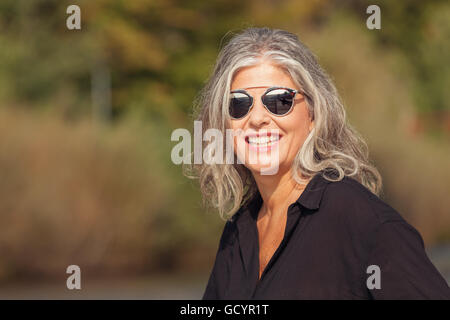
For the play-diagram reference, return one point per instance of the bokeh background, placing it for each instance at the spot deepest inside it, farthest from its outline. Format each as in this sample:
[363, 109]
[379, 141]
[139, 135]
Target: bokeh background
[86, 117]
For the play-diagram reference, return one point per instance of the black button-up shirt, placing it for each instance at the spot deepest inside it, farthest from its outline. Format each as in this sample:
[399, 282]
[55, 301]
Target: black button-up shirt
[334, 232]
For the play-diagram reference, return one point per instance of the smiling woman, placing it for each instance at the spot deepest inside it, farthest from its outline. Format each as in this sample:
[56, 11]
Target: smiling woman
[312, 228]
[291, 124]
[251, 59]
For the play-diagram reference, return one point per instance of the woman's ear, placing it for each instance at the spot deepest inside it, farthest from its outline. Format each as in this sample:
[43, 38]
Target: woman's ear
[311, 125]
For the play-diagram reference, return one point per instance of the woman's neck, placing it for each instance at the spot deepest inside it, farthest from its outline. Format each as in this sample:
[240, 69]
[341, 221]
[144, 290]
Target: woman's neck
[277, 192]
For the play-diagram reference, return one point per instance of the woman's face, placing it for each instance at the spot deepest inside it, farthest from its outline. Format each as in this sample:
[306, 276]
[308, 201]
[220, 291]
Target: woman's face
[250, 143]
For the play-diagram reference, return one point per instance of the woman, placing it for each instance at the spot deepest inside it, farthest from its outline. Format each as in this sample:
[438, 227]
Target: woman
[312, 225]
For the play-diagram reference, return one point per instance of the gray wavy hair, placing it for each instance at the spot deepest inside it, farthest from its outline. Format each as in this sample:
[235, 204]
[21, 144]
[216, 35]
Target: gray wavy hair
[332, 148]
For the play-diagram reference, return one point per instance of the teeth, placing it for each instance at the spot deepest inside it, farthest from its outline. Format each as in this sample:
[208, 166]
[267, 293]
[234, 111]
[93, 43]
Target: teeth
[262, 140]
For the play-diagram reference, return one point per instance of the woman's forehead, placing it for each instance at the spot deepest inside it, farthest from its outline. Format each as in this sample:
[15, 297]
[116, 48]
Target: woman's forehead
[262, 75]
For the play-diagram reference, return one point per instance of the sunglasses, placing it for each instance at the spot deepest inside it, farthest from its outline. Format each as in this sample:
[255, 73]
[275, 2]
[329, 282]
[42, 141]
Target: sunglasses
[277, 100]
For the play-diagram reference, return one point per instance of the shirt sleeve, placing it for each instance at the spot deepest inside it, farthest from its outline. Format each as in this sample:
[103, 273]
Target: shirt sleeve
[210, 291]
[219, 271]
[405, 270]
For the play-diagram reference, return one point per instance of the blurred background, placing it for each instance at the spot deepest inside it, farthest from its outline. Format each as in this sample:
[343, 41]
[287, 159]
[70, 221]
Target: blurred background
[86, 117]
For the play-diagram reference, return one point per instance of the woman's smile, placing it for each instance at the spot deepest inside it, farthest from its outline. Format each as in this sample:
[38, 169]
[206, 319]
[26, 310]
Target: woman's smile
[263, 142]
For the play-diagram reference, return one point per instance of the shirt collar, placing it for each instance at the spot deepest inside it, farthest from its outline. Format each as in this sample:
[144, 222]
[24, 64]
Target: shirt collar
[310, 197]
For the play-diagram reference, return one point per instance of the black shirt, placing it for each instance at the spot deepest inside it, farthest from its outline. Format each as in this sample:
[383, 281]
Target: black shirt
[334, 232]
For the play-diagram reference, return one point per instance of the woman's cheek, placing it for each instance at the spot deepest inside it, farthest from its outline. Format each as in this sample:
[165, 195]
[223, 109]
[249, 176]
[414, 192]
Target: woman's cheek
[240, 148]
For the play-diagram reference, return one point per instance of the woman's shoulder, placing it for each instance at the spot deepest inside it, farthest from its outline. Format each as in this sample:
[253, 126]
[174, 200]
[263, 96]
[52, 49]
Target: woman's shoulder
[357, 212]
[358, 204]
[230, 229]
[241, 220]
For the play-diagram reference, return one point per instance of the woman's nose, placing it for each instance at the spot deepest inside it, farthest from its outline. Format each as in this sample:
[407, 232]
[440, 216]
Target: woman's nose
[259, 115]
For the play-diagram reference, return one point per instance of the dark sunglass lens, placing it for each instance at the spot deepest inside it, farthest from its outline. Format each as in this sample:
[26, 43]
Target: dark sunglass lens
[240, 103]
[279, 101]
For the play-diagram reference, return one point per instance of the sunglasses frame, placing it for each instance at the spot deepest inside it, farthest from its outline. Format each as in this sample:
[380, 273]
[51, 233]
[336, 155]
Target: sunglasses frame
[293, 91]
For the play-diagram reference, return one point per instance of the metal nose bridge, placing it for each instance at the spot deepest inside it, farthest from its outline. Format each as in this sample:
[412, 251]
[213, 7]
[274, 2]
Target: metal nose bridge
[257, 87]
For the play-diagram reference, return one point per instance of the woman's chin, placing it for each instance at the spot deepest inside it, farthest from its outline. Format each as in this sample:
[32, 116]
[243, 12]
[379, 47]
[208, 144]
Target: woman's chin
[264, 168]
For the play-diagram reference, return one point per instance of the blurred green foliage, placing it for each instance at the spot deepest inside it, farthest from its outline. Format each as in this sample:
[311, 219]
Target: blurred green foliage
[160, 52]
